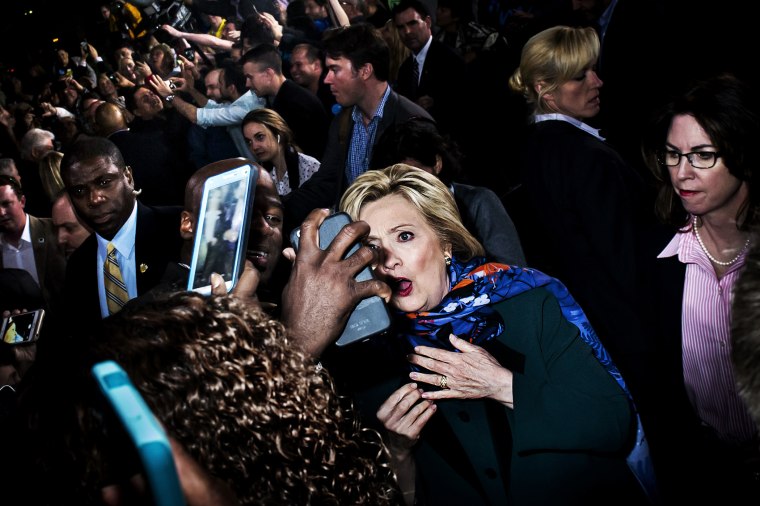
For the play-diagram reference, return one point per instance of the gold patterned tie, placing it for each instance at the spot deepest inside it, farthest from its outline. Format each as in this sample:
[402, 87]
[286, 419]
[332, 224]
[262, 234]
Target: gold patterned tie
[116, 290]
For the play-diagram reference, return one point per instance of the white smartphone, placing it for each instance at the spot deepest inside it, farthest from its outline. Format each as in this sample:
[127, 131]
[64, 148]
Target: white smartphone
[23, 327]
[221, 234]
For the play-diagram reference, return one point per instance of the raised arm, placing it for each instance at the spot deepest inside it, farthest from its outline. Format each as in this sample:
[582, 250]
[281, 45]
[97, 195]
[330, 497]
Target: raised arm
[201, 39]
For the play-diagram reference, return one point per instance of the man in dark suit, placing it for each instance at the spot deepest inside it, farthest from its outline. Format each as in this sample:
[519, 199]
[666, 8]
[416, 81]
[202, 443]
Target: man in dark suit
[358, 63]
[438, 83]
[29, 243]
[301, 109]
[146, 238]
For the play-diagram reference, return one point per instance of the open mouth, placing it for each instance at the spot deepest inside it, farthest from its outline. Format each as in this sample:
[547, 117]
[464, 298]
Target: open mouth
[260, 259]
[401, 286]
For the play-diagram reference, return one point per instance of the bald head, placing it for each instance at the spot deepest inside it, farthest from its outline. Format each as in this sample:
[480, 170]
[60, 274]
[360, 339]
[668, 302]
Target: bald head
[109, 119]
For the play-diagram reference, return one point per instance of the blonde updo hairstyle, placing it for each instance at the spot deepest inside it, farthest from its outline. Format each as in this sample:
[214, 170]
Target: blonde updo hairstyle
[551, 58]
[426, 193]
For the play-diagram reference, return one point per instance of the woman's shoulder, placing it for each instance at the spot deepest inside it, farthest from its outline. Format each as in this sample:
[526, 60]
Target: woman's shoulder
[530, 302]
[304, 158]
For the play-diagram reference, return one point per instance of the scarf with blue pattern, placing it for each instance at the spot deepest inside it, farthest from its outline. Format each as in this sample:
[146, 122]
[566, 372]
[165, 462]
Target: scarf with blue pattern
[466, 311]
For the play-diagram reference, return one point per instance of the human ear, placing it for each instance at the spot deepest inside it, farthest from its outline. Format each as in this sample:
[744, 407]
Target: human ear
[128, 175]
[366, 70]
[438, 165]
[186, 225]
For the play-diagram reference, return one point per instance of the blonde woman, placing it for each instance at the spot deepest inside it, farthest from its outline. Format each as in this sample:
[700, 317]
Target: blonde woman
[511, 398]
[399, 52]
[586, 207]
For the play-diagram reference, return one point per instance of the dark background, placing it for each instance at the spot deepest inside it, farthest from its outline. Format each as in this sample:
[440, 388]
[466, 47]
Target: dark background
[27, 29]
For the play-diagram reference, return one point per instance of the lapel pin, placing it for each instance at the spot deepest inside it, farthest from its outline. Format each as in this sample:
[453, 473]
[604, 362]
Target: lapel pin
[143, 268]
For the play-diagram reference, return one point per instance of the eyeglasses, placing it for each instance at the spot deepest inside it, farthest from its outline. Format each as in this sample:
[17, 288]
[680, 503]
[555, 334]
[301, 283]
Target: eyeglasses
[697, 159]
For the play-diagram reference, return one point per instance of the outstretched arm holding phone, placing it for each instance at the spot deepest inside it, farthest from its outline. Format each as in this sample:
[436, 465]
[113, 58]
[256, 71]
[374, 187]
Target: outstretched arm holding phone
[322, 291]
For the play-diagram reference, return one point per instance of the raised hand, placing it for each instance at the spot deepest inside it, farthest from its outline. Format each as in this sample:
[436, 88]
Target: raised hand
[473, 373]
[322, 291]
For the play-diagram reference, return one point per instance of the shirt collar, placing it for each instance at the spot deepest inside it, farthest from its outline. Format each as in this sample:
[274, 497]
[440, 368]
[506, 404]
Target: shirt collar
[573, 121]
[673, 247]
[420, 57]
[26, 235]
[356, 114]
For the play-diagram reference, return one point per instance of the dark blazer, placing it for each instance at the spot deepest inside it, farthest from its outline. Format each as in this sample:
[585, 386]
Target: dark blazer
[305, 115]
[327, 185]
[563, 444]
[442, 77]
[585, 220]
[157, 242]
[49, 259]
[676, 438]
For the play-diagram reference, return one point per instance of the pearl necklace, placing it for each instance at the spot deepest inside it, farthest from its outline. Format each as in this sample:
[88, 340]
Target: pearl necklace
[712, 258]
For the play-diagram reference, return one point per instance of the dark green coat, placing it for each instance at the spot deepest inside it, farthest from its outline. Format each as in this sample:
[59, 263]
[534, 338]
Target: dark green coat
[564, 443]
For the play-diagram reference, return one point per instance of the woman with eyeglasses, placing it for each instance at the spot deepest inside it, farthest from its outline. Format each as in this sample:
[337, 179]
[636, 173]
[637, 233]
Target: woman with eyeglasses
[584, 207]
[700, 150]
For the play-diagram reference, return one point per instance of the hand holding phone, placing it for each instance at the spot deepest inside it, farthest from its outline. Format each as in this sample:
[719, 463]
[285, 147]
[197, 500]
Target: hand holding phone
[221, 234]
[370, 317]
[22, 328]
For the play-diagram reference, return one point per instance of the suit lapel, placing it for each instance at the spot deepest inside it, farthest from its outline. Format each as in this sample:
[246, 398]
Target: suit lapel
[39, 248]
[143, 248]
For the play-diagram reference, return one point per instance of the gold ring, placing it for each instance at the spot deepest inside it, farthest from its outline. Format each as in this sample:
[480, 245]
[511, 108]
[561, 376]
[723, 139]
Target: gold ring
[444, 382]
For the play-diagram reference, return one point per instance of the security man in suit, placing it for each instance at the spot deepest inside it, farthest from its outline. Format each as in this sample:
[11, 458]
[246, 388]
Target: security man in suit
[137, 240]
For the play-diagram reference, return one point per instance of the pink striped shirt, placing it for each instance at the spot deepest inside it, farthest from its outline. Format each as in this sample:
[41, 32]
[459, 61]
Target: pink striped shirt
[706, 341]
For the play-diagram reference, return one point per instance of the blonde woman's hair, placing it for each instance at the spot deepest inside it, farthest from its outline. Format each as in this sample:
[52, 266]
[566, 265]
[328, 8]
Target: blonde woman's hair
[551, 58]
[425, 192]
[50, 174]
[399, 52]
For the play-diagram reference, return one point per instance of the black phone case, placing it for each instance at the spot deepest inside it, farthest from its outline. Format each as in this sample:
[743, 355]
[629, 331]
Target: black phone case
[370, 317]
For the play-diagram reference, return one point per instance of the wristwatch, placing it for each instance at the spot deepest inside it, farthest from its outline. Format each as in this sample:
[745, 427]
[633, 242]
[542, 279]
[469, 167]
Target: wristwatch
[169, 99]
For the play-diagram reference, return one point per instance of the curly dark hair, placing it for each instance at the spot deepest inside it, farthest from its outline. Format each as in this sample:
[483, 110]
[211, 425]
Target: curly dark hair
[247, 404]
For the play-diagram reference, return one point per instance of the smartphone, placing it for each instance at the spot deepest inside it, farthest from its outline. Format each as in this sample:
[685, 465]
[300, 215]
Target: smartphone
[23, 327]
[221, 233]
[189, 53]
[370, 317]
[144, 430]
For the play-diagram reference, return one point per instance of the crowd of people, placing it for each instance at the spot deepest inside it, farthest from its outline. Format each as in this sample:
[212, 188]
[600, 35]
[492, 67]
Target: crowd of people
[560, 271]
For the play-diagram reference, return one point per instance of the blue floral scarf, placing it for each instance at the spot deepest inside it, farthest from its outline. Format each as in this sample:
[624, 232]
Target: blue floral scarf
[467, 312]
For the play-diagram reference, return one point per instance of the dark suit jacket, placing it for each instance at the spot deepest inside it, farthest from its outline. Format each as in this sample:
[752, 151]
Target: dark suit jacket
[587, 224]
[327, 185]
[708, 473]
[475, 451]
[157, 242]
[305, 115]
[48, 258]
[442, 77]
